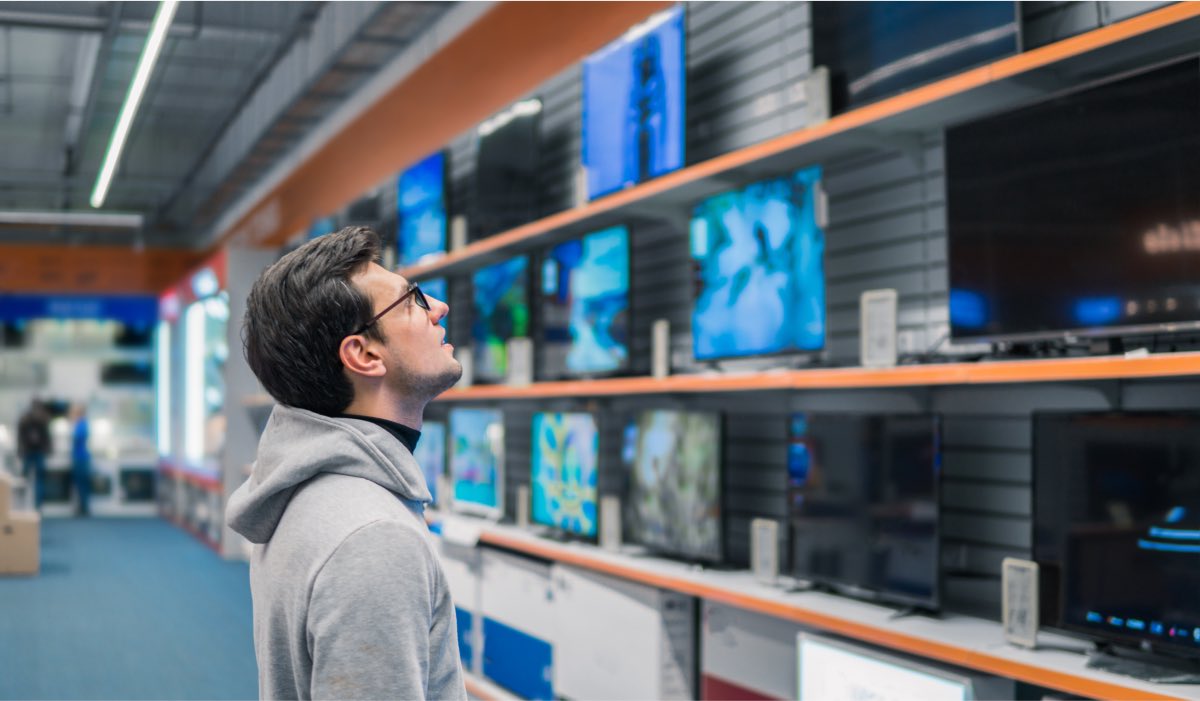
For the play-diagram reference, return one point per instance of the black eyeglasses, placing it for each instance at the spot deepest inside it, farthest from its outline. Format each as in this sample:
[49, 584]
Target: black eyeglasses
[414, 291]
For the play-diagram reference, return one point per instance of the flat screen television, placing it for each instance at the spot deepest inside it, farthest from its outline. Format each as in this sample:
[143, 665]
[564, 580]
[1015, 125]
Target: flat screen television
[565, 471]
[421, 211]
[633, 105]
[759, 257]
[501, 311]
[585, 305]
[507, 169]
[431, 455]
[477, 461]
[322, 226]
[672, 503]
[1117, 525]
[438, 288]
[878, 49]
[863, 504]
[1079, 215]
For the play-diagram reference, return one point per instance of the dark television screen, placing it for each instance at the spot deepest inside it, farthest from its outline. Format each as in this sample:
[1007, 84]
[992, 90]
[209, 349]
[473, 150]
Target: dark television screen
[673, 498]
[501, 312]
[1079, 214]
[127, 373]
[633, 105]
[1117, 525]
[133, 335]
[565, 472]
[759, 255]
[322, 226]
[863, 503]
[585, 304]
[506, 169]
[877, 49]
[421, 211]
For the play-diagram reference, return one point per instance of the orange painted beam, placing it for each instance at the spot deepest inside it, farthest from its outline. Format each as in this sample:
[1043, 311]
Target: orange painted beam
[91, 269]
[509, 51]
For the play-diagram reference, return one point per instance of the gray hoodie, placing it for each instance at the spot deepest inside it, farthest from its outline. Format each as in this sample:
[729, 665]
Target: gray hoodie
[350, 601]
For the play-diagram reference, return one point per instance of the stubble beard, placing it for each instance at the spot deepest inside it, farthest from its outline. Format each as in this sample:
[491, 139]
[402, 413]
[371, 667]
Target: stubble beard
[428, 387]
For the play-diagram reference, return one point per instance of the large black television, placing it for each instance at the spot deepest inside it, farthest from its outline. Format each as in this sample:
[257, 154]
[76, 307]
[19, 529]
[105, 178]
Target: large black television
[1079, 215]
[507, 169]
[863, 493]
[1117, 526]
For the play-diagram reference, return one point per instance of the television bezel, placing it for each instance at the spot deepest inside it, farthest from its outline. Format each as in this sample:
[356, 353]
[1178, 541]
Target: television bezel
[574, 535]
[1065, 334]
[471, 507]
[444, 154]
[864, 591]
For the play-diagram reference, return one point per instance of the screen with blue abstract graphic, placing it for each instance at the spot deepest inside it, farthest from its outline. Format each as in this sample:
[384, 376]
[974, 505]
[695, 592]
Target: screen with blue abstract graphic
[759, 255]
[566, 453]
[322, 226]
[585, 304]
[633, 105]
[421, 211]
[431, 454]
[501, 311]
[477, 460]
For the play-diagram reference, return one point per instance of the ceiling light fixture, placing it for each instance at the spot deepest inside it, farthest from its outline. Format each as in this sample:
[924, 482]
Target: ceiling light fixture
[141, 78]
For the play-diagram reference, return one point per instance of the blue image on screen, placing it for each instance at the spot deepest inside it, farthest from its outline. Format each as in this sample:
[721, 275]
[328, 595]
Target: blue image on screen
[322, 226]
[438, 288]
[421, 210]
[477, 437]
[633, 105]
[566, 449]
[585, 288]
[431, 454]
[501, 311]
[759, 255]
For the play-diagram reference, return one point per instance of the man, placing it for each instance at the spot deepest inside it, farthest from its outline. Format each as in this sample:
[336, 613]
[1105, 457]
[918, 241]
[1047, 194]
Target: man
[81, 459]
[350, 600]
[33, 442]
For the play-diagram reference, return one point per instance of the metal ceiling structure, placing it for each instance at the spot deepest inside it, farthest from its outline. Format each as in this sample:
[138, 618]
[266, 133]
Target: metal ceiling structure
[237, 86]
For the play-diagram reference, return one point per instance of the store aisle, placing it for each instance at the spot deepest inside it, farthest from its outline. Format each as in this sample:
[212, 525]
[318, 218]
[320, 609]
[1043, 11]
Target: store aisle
[126, 608]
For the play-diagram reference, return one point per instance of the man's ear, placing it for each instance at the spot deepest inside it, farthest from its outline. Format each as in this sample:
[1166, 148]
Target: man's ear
[359, 356]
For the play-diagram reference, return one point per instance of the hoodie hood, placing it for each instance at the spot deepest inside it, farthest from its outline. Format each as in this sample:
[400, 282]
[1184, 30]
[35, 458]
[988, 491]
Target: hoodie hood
[298, 445]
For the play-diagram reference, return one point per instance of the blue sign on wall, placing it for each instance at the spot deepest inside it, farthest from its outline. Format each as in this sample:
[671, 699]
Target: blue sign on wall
[128, 309]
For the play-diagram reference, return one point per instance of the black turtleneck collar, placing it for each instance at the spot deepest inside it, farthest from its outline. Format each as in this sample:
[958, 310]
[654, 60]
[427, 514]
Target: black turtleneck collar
[404, 434]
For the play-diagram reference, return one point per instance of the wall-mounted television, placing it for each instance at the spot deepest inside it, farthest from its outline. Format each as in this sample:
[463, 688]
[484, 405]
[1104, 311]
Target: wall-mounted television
[501, 311]
[421, 211]
[585, 305]
[1117, 526]
[877, 49]
[672, 501]
[862, 496]
[565, 471]
[507, 169]
[1080, 214]
[430, 454]
[477, 461]
[322, 226]
[759, 256]
[633, 105]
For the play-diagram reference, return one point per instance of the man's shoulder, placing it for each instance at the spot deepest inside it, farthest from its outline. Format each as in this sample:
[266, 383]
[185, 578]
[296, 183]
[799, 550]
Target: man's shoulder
[332, 506]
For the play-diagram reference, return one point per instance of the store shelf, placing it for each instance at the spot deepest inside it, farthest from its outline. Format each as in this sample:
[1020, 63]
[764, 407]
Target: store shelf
[960, 640]
[892, 122]
[986, 372]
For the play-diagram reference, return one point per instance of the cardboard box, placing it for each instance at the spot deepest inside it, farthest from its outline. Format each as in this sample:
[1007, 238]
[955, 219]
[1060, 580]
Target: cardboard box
[20, 543]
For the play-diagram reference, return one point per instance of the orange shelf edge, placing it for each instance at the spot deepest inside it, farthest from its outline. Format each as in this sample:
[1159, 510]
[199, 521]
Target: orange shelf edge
[973, 78]
[863, 632]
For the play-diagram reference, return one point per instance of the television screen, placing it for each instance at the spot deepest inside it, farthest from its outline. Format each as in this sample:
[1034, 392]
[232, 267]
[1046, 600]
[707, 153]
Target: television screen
[566, 452]
[585, 304]
[501, 308]
[431, 455]
[1117, 525]
[760, 276]
[477, 460]
[322, 226]
[673, 499]
[421, 211]
[633, 105]
[437, 288]
[877, 49]
[1079, 214]
[863, 503]
[507, 169]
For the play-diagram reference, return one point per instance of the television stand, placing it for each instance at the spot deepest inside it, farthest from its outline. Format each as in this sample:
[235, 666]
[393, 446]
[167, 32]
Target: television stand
[1139, 665]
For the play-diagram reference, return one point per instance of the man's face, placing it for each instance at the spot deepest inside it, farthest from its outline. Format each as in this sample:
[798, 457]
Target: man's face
[419, 363]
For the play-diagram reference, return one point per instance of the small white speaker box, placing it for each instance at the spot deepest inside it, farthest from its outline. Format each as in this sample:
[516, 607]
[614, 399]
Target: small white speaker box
[877, 328]
[1019, 581]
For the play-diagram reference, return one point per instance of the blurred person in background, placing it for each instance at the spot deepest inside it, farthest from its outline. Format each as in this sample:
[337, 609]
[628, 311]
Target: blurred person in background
[81, 458]
[33, 442]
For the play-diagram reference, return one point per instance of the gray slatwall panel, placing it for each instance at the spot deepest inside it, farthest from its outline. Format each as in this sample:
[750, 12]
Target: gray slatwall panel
[1047, 22]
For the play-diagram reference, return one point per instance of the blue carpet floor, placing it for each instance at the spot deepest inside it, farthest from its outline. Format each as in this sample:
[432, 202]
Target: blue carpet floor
[126, 609]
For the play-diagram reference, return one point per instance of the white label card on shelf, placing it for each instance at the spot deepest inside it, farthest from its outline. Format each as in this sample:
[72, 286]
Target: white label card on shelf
[764, 549]
[610, 523]
[461, 531]
[520, 362]
[1019, 586]
[660, 349]
[458, 232]
[523, 506]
